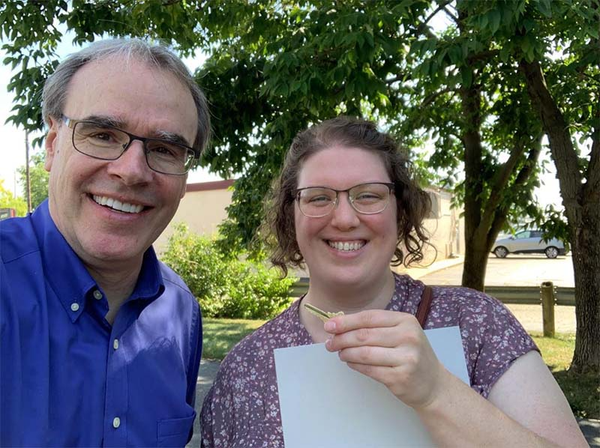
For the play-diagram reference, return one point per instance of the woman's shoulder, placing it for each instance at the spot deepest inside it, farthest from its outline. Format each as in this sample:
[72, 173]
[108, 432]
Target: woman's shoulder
[458, 305]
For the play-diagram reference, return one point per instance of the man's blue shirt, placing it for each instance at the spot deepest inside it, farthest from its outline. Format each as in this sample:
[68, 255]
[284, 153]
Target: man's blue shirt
[69, 378]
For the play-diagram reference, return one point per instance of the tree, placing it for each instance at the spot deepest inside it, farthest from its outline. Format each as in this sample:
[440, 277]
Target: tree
[38, 179]
[8, 200]
[277, 66]
[565, 93]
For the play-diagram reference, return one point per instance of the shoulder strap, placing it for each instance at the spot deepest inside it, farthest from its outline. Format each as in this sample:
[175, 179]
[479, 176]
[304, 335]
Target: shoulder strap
[424, 306]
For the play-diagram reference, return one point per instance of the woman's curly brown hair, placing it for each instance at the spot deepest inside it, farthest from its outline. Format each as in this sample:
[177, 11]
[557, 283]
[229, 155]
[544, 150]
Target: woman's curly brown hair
[413, 204]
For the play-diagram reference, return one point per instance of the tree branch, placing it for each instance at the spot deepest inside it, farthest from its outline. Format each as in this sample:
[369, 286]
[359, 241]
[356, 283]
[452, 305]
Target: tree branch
[430, 98]
[561, 146]
[449, 14]
[442, 7]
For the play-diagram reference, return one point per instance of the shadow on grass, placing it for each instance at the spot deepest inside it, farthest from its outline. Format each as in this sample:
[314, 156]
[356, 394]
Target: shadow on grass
[582, 391]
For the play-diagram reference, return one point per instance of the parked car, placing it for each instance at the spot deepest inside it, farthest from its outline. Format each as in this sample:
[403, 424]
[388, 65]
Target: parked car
[528, 242]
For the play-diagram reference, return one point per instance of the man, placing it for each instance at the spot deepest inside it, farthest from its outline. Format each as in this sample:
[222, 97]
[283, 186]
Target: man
[100, 342]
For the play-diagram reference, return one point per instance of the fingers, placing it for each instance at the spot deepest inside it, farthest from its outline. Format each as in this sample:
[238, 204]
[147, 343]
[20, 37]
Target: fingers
[387, 337]
[394, 330]
[374, 356]
[365, 319]
[378, 373]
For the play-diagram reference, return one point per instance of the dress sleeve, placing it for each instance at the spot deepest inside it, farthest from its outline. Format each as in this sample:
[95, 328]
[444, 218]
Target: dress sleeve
[496, 339]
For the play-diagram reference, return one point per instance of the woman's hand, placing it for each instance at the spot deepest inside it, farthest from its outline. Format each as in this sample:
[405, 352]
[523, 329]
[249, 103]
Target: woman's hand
[391, 348]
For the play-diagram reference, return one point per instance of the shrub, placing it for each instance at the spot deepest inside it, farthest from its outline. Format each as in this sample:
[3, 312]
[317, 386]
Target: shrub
[230, 286]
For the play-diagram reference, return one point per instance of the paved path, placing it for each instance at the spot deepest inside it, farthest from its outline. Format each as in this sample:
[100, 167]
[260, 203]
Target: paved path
[514, 270]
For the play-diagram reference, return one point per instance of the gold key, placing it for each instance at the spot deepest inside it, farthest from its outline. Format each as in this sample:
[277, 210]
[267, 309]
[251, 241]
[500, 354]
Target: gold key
[323, 315]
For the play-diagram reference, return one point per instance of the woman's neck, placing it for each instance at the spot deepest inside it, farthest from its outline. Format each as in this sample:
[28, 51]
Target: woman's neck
[349, 299]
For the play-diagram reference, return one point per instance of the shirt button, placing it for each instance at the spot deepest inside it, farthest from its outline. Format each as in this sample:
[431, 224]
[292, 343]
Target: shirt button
[74, 307]
[116, 344]
[97, 295]
[116, 422]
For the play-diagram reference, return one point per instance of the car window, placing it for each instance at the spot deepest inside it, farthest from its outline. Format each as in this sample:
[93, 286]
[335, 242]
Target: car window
[522, 235]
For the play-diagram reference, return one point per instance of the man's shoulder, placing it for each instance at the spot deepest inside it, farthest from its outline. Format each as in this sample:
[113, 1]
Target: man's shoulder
[174, 282]
[17, 239]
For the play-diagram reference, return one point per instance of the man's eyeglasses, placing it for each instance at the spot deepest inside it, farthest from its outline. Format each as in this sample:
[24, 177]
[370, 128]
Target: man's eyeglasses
[367, 199]
[105, 142]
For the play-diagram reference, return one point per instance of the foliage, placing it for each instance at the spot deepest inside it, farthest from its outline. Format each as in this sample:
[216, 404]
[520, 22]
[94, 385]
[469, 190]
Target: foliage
[220, 335]
[225, 285]
[7, 200]
[38, 180]
[276, 67]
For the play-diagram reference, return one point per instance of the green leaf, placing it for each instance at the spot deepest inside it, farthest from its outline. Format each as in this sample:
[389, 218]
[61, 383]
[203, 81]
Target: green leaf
[545, 7]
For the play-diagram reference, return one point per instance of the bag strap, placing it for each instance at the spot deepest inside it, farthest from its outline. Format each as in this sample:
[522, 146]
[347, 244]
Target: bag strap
[424, 306]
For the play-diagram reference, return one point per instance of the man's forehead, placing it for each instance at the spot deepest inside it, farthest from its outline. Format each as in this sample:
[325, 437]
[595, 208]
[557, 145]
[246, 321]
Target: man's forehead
[124, 91]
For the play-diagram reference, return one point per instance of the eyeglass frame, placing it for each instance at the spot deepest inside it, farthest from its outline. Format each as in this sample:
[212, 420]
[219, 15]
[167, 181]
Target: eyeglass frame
[391, 186]
[72, 123]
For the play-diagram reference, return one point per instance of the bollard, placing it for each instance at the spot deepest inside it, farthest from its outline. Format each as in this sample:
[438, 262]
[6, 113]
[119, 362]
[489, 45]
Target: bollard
[547, 292]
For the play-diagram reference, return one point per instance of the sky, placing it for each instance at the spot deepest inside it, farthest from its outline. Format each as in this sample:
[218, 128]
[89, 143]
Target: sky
[12, 152]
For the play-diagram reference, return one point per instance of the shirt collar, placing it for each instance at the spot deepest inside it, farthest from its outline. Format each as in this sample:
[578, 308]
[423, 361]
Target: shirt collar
[69, 278]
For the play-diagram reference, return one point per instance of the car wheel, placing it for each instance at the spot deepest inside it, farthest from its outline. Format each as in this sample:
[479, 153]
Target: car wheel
[551, 252]
[500, 252]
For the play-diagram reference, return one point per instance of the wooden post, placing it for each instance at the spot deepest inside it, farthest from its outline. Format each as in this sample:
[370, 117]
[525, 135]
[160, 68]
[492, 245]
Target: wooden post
[547, 292]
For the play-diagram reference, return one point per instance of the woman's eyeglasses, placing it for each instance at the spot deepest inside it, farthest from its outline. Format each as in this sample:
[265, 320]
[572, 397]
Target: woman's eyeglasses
[367, 199]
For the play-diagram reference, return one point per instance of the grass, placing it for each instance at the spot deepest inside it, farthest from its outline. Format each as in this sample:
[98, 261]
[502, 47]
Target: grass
[582, 391]
[220, 335]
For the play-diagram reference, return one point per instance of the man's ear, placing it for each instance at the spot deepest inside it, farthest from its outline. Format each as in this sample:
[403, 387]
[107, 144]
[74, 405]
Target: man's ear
[51, 143]
[184, 189]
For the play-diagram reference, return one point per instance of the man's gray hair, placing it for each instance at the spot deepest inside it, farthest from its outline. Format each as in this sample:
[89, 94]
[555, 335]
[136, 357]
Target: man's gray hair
[56, 87]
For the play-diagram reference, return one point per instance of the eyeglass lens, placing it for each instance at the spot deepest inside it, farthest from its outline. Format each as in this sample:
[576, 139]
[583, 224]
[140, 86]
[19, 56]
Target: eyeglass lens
[108, 143]
[365, 198]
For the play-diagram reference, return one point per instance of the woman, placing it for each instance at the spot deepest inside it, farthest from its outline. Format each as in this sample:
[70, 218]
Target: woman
[344, 205]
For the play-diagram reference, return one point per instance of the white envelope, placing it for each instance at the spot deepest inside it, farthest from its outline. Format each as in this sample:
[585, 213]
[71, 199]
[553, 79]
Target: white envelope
[324, 403]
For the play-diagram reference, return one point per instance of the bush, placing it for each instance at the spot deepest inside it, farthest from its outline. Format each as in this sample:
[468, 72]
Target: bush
[226, 286]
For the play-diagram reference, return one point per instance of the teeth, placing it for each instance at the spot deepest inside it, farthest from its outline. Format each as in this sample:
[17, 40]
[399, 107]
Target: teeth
[346, 246]
[118, 205]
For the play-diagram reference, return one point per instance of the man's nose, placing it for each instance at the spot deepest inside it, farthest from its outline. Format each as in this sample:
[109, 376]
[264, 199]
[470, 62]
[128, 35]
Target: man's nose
[132, 167]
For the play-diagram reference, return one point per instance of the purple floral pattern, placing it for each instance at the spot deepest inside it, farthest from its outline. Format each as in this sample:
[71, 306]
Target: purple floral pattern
[242, 407]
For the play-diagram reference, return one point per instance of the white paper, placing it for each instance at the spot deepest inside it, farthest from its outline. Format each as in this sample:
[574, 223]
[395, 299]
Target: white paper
[324, 403]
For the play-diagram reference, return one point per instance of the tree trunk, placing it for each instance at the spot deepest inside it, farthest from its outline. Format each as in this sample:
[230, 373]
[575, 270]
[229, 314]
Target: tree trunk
[586, 264]
[581, 199]
[473, 269]
[475, 265]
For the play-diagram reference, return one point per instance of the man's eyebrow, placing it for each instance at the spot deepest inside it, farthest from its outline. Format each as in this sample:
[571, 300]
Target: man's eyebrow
[104, 120]
[172, 137]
